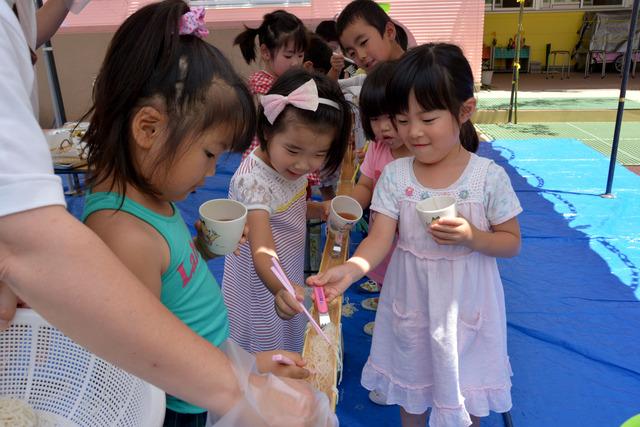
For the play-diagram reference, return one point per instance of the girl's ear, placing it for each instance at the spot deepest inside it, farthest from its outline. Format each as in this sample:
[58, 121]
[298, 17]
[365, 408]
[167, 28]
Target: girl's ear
[466, 110]
[390, 31]
[147, 126]
[264, 53]
[308, 65]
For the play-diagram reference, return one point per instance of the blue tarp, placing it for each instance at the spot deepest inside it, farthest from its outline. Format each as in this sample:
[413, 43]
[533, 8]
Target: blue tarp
[572, 295]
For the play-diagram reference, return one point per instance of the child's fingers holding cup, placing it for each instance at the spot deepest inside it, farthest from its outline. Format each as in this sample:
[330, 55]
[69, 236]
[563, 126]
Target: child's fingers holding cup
[244, 239]
[201, 244]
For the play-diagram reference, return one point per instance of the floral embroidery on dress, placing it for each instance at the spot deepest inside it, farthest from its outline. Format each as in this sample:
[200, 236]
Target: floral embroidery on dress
[424, 195]
[463, 194]
[409, 191]
[257, 192]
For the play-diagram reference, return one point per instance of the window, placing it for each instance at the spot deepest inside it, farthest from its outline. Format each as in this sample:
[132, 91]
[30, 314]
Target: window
[561, 4]
[603, 2]
[505, 4]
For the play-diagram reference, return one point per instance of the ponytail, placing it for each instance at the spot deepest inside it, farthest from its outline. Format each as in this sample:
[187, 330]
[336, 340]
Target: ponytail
[469, 137]
[277, 29]
[247, 42]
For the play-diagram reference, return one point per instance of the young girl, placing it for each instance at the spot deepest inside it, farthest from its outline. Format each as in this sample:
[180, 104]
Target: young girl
[282, 40]
[156, 133]
[440, 338]
[303, 125]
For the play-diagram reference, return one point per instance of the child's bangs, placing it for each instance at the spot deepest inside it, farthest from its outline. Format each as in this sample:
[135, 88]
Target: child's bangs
[431, 86]
[297, 37]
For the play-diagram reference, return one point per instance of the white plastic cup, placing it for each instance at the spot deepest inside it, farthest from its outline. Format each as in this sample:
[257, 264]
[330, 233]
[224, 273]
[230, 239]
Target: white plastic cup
[345, 211]
[434, 208]
[222, 224]
[58, 139]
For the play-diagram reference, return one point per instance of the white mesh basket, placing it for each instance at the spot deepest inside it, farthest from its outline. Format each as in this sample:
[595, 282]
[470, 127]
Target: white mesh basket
[69, 385]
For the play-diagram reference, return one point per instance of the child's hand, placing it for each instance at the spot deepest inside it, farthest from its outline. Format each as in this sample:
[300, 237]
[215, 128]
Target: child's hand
[265, 363]
[337, 61]
[360, 153]
[318, 210]
[201, 244]
[336, 280]
[452, 231]
[326, 208]
[286, 305]
[244, 239]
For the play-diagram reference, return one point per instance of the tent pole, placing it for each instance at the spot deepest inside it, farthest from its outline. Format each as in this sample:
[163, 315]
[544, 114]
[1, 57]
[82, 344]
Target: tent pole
[623, 92]
[54, 84]
[513, 102]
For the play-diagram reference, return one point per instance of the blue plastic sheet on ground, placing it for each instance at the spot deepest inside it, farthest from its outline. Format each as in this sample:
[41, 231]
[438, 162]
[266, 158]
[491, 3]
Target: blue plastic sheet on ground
[572, 295]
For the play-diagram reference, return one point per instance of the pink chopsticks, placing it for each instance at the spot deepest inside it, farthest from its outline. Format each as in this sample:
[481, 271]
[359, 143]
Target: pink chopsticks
[277, 270]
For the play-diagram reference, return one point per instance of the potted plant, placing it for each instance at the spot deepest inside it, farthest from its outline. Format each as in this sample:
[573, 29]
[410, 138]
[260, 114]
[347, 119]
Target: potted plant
[487, 73]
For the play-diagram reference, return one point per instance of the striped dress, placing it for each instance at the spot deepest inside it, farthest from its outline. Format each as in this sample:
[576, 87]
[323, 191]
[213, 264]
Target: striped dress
[253, 322]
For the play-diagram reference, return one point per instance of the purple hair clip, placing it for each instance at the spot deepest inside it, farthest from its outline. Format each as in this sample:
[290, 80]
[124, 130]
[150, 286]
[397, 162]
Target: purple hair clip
[192, 22]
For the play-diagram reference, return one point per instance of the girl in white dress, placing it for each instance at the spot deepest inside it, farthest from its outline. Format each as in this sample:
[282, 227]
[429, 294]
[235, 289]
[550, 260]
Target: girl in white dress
[440, 340]
[304, 124]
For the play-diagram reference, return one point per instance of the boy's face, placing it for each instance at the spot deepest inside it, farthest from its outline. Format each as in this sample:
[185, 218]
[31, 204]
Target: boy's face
[363, 43]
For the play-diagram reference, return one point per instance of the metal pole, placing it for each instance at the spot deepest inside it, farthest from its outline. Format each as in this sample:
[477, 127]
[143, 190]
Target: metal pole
[623, 92]
[54, 84]
[513, 103]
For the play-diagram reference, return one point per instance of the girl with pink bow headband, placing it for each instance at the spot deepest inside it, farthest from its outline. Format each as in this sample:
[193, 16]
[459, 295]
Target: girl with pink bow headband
[304, 124]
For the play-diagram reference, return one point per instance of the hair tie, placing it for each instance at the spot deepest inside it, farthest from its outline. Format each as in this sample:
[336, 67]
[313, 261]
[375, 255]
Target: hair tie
[192, 23]
[305, 97]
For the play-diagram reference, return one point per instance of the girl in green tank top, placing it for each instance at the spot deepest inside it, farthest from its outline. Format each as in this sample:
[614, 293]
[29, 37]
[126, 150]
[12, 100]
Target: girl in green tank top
[160, 121]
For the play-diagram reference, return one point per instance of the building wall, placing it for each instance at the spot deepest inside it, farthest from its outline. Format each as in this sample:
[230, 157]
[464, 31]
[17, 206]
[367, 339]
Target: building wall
[80, 45]
[539, 28]
[78, 57]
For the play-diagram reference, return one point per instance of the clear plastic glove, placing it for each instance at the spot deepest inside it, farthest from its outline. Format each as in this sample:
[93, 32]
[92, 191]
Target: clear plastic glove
[266, 364]
[272, 401]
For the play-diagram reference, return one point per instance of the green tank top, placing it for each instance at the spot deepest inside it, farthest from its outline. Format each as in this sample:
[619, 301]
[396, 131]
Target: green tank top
[189, 290]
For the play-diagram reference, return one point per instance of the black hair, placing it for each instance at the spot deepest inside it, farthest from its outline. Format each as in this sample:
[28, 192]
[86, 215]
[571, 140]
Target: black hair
[401, 37]
[149, 64]
[372, 99]
[441, 79]
[319, 53]
[325, 118]
[327, 30]
[370, 12]
[277, 29]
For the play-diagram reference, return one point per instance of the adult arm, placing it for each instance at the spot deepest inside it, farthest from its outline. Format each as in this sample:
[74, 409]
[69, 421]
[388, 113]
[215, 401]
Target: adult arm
[67, 274]
[49, 18]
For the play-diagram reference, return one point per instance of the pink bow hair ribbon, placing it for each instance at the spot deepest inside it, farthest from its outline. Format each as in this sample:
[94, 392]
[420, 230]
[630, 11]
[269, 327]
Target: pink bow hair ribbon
[192, 22]
[305, 97]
